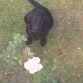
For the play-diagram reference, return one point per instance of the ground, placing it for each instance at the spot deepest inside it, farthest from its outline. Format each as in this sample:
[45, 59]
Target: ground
[65, 40]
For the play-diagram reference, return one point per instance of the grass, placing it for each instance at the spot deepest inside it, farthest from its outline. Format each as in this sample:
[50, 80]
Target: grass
[63, 39]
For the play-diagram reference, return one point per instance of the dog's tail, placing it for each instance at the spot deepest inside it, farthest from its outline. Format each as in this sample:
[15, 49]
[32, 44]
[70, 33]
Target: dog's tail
[34, 3]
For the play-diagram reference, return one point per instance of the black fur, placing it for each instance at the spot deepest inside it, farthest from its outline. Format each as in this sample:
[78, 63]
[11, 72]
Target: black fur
[38, 23]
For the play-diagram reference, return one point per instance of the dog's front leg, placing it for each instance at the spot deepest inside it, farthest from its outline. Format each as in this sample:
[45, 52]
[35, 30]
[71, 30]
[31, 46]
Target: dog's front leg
[43, 37]
[29, 41]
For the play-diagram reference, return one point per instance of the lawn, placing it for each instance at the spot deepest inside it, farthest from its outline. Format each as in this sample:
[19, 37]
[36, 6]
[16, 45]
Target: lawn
[63, 54]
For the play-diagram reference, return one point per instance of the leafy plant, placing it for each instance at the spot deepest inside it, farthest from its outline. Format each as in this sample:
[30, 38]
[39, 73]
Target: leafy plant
[11, 54]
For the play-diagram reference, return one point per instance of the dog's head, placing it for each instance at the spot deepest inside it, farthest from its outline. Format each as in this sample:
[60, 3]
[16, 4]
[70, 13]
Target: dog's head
[36, 24]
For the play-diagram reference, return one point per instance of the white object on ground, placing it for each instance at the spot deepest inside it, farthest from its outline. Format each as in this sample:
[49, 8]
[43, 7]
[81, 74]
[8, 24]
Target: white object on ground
[79, 48]
[33, 65]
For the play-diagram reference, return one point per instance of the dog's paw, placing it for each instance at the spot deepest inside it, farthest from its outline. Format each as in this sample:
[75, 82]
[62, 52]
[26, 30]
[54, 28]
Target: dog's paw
[28, 42]
[43, 42]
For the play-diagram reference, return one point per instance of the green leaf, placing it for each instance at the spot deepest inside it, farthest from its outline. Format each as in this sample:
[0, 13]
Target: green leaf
[30, 54]
[20, 62]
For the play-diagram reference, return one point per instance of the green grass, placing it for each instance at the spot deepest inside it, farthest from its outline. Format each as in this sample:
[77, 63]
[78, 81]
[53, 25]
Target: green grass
[63, 39]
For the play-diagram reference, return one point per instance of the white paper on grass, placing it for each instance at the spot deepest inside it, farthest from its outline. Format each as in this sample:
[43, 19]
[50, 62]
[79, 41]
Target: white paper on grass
[33, 65]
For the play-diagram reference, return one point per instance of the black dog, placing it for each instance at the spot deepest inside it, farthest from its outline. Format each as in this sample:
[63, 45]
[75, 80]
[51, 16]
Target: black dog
[38, 22]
